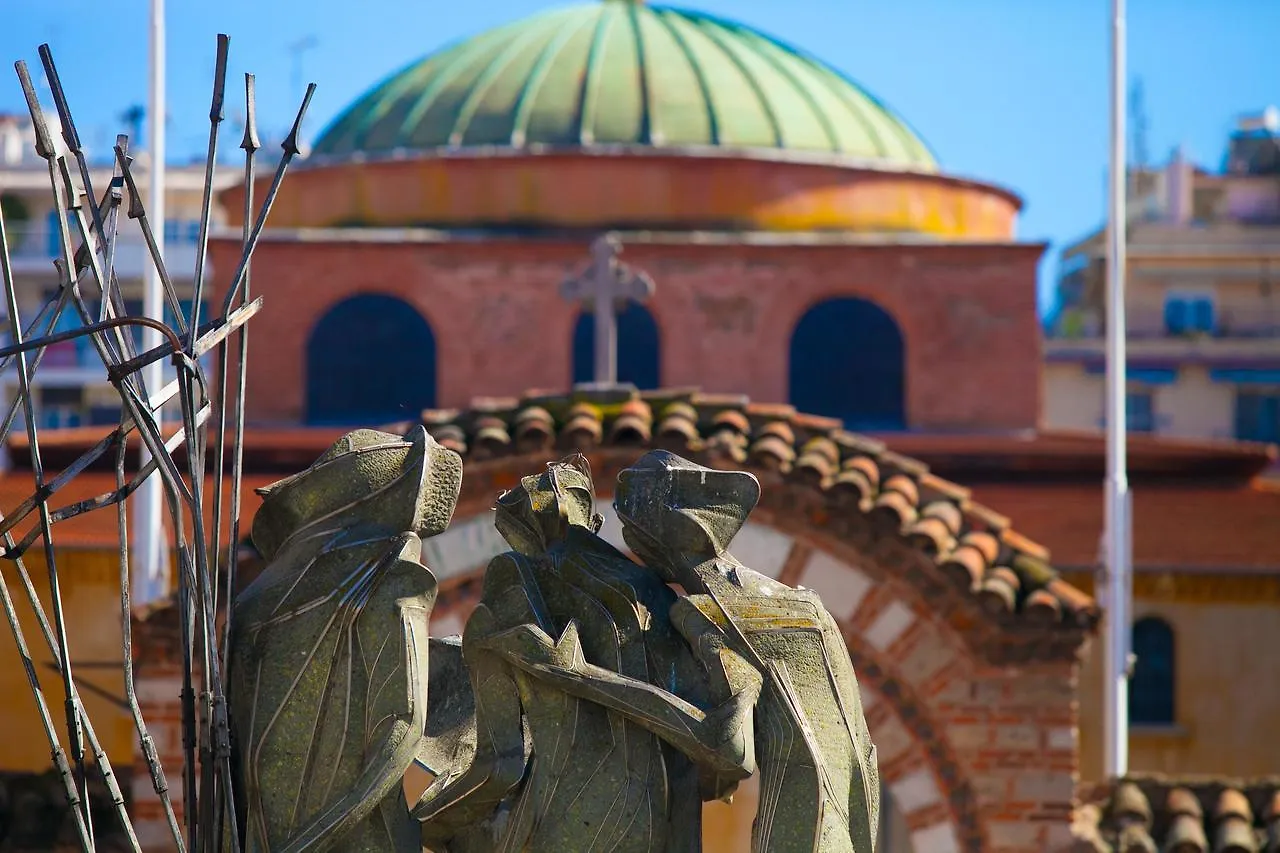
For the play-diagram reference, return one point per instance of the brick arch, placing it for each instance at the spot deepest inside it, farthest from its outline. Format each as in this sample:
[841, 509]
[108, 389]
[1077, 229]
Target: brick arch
[885, 632]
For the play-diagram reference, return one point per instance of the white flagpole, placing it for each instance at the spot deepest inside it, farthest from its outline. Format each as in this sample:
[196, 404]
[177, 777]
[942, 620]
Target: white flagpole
[149, 551]
[1118, 522]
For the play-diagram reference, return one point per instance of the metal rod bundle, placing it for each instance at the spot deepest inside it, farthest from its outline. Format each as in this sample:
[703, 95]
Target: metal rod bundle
[88, 227]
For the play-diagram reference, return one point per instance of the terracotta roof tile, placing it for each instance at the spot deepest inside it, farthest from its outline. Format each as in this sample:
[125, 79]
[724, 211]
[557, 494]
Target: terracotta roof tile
[1205, 815]
[1006, 571]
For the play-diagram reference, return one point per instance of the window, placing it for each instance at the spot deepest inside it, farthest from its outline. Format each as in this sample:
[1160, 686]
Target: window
[1258, 416]
[1188, 314]
[1151, 687]
[848, 361]
[60, 407]
[349, 381]
[639, 348]
[1140, 411]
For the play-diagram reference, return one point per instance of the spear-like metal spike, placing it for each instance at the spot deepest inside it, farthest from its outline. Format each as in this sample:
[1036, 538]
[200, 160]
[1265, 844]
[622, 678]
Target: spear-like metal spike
[44, 142]
[206, 205]
[112, 302]
[290, 144]
[69, 133]
[250, 141]
[219, 78]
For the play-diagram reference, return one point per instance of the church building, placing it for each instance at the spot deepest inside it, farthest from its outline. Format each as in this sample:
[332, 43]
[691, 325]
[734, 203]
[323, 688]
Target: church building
[806, 245]
[829, 310]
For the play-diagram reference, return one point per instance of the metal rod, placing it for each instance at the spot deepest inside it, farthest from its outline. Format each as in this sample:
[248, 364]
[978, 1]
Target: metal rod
[72, 783]
[112, 302]
[250, 144]
[1118, 522]
[138, 211]
[75, 733]
[159, 783]
[148, 533]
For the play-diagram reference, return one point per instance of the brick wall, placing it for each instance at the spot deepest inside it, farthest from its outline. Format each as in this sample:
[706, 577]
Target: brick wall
[725, 314]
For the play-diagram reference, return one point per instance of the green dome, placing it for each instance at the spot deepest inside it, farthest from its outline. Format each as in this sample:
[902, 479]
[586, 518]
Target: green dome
[620, 73]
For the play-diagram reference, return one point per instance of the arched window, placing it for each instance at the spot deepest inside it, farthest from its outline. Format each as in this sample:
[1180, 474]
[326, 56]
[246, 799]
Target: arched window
[639, 352]
[1151, 687]
[848, 362]
[371, 360]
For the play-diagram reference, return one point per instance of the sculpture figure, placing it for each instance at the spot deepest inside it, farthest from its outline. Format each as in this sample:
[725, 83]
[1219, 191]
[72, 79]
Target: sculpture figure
[581, 743]
[819, 786]
[329, 656]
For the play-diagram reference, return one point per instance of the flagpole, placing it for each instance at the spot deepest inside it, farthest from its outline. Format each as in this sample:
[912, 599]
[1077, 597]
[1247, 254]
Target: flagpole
[150, 574]
[1118, 521]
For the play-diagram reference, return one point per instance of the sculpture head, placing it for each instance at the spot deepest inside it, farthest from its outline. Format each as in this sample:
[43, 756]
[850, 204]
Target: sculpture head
[368, 478]
[539, 512]
[676, 513]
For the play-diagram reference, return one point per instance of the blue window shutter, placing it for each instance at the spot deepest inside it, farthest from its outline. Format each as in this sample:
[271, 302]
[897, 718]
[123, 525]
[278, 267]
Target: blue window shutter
[1175, 316]
[1202, 315]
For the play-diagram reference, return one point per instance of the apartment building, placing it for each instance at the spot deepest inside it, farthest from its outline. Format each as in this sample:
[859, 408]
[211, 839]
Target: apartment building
[71, 387]
[1203, 310]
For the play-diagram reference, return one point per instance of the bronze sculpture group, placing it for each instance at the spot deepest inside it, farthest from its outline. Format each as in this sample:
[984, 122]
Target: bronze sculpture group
[587, 707]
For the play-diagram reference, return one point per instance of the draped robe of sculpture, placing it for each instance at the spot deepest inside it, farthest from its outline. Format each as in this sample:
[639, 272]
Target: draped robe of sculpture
[592, 771]
[819, 779]
[329, 656]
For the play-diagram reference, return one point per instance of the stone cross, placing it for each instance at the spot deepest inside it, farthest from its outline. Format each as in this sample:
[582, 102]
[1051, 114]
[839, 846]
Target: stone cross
[607, 285]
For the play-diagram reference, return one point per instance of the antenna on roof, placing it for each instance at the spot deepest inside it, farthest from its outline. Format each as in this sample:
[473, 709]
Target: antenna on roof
[1138, 116]
[296, 51]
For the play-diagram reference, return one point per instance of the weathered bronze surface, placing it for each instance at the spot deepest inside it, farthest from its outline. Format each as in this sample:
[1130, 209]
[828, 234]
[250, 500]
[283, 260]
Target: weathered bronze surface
[819, 780]
[587, 706]
[329, 651]
[569, 652]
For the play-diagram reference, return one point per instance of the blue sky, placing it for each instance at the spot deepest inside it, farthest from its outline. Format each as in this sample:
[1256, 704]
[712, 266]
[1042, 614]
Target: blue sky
[1009, 91]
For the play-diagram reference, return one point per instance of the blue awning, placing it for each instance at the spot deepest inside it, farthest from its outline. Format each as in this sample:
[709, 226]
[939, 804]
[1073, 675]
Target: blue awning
[1246, 376]
[1143, 375]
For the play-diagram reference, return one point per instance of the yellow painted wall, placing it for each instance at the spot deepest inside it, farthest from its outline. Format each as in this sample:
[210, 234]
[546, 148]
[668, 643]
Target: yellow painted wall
[635, 191]
[1195, 407]
[1192, 407]
[91, 599]
[1073, 399]
[1227, 687]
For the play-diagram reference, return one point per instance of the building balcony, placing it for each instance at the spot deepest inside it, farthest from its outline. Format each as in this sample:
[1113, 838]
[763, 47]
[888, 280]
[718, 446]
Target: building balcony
[1260, 348]
[32, 248]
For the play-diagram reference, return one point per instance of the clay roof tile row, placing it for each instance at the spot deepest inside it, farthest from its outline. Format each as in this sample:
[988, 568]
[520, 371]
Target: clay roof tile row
[971, 544]
[1209, 815]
